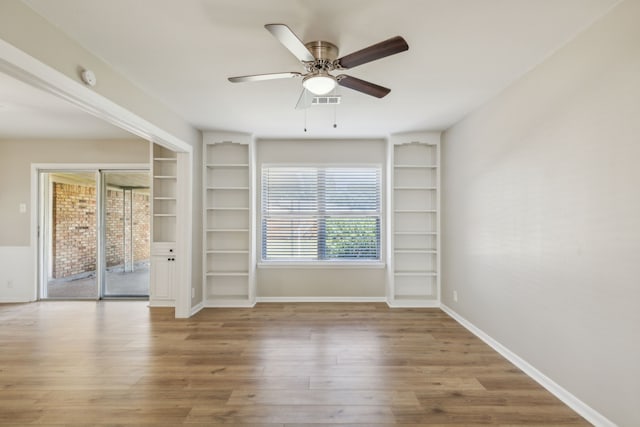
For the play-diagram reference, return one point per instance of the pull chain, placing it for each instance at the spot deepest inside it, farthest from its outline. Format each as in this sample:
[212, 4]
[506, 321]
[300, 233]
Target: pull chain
[305, 119]
[335, 114]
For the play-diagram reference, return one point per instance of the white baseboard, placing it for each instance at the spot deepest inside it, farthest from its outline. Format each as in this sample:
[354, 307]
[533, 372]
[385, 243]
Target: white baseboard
[320, 299]
[162, 303]
[228, 304]
[196, 308]
[584, 410]
[413, 303]
[14, 300]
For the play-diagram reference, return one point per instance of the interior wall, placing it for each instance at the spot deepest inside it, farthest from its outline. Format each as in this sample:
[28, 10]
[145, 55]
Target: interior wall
[541, 216]
[16, 157]
[324, 282]
[26, 30]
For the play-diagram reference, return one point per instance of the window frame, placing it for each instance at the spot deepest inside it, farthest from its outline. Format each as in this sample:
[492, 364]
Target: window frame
[336, 263]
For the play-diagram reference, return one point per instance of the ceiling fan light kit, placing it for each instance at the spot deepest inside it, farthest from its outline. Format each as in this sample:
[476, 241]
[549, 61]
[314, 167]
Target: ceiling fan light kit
[320, 58]
[319, 84]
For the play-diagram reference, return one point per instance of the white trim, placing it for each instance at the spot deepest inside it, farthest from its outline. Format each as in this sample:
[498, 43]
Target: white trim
[252, 259]
[584, 410]
[413, 303]
[438, 220]
[296, 165]
[429, 138]
[184, 224]
[34, 227]
[28, 69]
[196, 308]
[322, 265]
[214, 137]
[92, 166]
[162, 303]
[389, 284]
[231, 303]
[13, 300]
[320, 299]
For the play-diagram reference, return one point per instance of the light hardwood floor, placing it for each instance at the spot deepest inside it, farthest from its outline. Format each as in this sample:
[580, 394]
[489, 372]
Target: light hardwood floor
[121, 363]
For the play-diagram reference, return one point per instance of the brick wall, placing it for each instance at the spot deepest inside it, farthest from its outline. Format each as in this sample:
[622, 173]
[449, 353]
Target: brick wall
[119, 236]
[141, 226]
[74, 228]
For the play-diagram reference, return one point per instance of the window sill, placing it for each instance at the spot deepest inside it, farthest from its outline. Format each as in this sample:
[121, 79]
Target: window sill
[322, 265]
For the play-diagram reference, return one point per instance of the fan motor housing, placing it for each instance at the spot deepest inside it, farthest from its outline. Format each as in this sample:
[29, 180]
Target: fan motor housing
[323, 50]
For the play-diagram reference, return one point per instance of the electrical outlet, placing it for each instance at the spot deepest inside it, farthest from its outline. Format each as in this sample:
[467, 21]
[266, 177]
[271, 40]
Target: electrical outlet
[9, 284]
[193, 292]
[455, 296]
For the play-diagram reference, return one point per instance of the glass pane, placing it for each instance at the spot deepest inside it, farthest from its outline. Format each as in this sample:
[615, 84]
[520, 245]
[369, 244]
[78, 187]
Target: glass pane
[352, 189]
[290, 238]
[70, 235]
[352, 238]
[127, 233]
[317, 213]
[289, 190]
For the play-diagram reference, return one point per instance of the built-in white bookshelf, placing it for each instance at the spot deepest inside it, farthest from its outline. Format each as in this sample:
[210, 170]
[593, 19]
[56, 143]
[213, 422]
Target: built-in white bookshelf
[414, 277]
[164, 170]
[228, 272]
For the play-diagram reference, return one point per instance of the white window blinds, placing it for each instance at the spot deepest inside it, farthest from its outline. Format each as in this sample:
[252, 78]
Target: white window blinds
[321, 213]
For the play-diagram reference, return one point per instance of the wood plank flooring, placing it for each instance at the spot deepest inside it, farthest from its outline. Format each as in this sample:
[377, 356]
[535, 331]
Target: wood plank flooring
[121, 363]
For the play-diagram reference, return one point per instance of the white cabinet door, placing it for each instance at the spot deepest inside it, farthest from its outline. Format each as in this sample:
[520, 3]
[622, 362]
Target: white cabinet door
[162, 279]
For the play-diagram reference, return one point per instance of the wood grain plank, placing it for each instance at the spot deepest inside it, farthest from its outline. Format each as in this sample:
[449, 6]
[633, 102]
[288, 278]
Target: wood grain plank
[122, 363]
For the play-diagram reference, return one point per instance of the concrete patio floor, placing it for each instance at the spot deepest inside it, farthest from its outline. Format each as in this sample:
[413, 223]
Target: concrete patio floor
[118, 283]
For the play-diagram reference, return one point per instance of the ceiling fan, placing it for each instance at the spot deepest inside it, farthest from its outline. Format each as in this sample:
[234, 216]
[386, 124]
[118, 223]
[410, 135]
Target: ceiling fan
[320, 58]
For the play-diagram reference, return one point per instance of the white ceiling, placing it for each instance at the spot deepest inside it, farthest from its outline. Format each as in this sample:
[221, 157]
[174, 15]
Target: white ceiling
[461, 54]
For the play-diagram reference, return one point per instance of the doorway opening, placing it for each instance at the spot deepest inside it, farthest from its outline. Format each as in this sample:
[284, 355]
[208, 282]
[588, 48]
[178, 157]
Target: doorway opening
[94, 234]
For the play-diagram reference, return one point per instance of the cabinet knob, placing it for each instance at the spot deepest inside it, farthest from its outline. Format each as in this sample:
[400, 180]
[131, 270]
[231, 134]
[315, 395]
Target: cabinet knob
[170, 250]
[168, 259]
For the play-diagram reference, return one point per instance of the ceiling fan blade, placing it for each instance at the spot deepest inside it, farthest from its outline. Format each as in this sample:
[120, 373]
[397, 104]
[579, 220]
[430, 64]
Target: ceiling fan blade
[260, 77]
[377, 51]
[362, 86]
[290, 41]
[305, 100]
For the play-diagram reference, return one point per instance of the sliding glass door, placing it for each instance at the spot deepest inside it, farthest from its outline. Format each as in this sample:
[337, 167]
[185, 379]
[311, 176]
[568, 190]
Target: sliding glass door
[126, 218]
[69, 232]
[94, 234]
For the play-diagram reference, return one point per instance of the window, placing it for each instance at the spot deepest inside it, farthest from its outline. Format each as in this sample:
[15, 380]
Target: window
[321, 213]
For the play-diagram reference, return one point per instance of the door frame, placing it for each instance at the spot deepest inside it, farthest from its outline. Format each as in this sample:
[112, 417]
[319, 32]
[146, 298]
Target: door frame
[37, 214]
[102, 240]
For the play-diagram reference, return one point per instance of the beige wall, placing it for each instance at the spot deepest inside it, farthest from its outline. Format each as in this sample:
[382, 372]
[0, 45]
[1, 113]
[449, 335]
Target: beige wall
[541, 217]
[15, 173]
[324, 282]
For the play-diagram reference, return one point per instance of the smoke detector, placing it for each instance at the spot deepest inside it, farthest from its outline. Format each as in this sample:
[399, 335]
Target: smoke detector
[88, 77]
